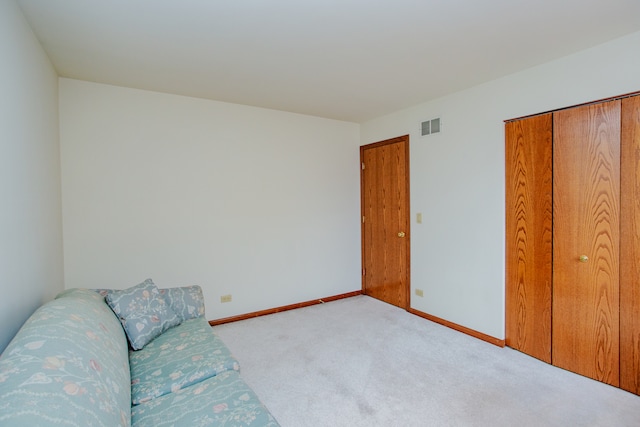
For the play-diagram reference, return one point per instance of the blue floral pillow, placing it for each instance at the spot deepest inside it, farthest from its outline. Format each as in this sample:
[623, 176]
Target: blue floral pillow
[143, 312]
[187, 302]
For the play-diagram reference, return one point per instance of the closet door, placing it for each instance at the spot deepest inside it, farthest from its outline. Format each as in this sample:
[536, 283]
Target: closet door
[586, 236]
[630, 246]
[528, 150]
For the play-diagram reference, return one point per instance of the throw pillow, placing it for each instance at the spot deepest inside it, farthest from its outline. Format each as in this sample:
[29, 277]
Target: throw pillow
[187, 301]
[144, 314]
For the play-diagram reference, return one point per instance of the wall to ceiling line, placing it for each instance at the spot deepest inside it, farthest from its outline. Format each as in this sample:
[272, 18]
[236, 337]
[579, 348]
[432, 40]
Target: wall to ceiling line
[259, 204]
[457, 176]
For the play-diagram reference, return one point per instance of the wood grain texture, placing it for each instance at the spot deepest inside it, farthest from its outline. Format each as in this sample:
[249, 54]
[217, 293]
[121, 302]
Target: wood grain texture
[586, 208]
[630, 246]
[471, 332]
[385, 207]
[528, 150]
[595, 101]
[283, 308]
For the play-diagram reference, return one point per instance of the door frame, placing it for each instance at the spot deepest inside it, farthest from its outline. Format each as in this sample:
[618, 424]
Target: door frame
[404, 140]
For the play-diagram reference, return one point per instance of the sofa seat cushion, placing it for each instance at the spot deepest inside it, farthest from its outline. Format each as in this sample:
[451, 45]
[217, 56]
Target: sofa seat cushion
[223, 400]
[183, 355]
[67, 366]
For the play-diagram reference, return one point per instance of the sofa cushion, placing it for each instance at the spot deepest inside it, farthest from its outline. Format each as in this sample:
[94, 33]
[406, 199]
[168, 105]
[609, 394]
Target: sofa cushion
[223, 400]
[176, 359]
[143, 312]
[67, 366]
[187, 301]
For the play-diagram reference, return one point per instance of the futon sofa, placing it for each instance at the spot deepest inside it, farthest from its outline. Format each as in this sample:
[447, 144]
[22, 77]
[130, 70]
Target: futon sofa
[140, 357]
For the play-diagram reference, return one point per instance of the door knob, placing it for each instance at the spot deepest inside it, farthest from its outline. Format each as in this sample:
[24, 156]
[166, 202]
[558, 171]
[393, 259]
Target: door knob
[583, 258]
[401, 234]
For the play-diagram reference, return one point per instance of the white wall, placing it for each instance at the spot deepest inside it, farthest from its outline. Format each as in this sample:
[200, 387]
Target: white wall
[257, 203]
[457, 177]
[30, 217]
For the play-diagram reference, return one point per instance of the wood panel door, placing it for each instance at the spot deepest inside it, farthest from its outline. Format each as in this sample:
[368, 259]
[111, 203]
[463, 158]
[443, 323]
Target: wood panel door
[528, 150]
[385, 220]
[586, 237]
[630, 246]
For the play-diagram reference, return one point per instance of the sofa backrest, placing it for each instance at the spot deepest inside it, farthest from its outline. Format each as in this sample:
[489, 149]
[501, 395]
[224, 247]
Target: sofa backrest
[68, 365]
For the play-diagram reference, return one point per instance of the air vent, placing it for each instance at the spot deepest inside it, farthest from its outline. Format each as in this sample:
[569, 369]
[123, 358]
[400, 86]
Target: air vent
[429, 127]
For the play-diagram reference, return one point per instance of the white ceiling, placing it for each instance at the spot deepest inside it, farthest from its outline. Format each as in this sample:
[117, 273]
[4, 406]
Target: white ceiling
[350, 60]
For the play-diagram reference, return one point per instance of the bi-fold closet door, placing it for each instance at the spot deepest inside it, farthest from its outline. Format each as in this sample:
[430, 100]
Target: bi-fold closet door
[573, 239]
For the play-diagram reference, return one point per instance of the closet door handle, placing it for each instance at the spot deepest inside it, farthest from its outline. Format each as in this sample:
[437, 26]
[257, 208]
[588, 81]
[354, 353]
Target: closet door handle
[583, 258]
[401, 234]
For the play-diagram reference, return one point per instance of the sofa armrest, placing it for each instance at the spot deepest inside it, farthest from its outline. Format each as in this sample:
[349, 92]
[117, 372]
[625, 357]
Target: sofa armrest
[68, 365]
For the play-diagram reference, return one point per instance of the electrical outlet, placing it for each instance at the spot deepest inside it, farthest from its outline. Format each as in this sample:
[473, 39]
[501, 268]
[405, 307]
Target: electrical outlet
[225, 298]
[419, 292]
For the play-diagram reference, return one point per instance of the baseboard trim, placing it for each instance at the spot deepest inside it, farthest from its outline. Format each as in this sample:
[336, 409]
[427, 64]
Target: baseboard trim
[459, 328]
[283, 308]
[484, 337]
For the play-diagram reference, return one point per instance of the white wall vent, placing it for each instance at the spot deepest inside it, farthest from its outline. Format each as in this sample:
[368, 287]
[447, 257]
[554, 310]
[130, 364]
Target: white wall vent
[429, 127]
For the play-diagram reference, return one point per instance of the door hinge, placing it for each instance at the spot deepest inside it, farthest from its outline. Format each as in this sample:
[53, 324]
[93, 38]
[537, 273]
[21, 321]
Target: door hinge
[363, 219]
[364, 272]
[362, 165]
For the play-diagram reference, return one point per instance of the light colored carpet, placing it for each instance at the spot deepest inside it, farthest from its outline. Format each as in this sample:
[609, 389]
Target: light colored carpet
[362, 362]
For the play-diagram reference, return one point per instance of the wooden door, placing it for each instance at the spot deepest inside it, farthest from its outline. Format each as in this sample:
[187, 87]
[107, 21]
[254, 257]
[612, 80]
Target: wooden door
[385, 220]
[630, 246]
[528, 150]
[586, 236]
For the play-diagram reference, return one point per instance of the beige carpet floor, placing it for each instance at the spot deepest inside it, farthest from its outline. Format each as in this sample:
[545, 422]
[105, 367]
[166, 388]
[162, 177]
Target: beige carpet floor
[361, 362]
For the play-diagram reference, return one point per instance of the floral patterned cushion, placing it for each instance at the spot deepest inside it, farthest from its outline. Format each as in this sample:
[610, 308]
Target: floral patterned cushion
[67, 366]
[224, 400]
[70, 365]
[177, 359]
[187, 302]
[144, 314]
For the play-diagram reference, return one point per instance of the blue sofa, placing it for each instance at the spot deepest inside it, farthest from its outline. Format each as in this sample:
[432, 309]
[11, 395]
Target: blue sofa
[71, 364]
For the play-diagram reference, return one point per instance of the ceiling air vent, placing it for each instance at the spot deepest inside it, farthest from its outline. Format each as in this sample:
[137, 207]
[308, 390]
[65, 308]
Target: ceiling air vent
[430, 126]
